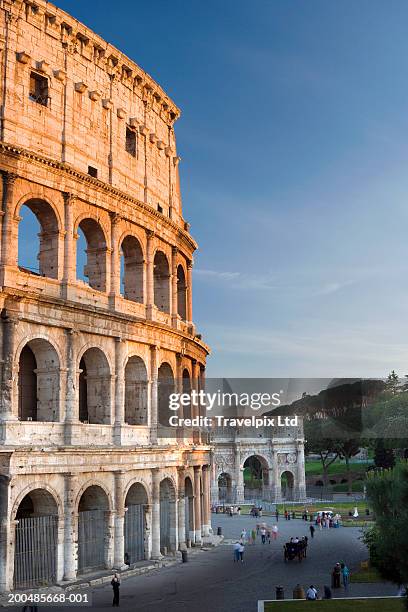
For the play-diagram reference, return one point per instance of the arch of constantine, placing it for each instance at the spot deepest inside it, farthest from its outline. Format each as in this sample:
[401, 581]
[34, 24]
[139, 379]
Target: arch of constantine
[269, 467]
[97, 333]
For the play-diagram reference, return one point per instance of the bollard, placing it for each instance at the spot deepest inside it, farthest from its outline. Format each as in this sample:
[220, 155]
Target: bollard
[184, 556]
[280, 593]
[299, 592]
[219, 531]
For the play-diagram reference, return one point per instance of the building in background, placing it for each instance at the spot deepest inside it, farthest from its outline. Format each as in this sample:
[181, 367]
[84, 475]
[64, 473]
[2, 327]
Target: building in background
[266, 467]
[88, 477]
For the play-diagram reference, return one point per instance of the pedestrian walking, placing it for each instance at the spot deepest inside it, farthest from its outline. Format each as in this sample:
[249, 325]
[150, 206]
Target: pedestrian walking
[243, 535]
[336, 576]
[263, 535]
[241, 552]
[115, 582]
[312, 530]
[275, 531]
[236, 551]
[286, 515]
[253, 536]
[277, 515]
[345, 572]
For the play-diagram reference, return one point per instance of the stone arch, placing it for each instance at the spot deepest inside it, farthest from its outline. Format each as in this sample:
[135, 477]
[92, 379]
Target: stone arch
[136, 504]
[36, 540]
[38, 381]
[165, 386]
[168, 519]
[44, 246]
[94, 535]
[94, 387]
[256, 476]
[181, 292]
[189, 510]
[224, 482]
[287, 480]
[136, 383]
[131, 269]
[45, 491]
[161, 277]
[95, 251]
[186, 386]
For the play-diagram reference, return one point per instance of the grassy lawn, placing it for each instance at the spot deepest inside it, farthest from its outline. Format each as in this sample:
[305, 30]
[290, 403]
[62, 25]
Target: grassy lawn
[342, 508]
[370, 574]
[338, 605]
[314, 468]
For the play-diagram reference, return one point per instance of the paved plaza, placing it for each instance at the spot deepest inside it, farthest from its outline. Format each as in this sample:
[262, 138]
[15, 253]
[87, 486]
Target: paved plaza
[211, 581]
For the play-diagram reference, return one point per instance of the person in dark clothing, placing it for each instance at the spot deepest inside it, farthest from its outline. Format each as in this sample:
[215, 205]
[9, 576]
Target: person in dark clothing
[277, 515]
[115, 586]
[312, 530]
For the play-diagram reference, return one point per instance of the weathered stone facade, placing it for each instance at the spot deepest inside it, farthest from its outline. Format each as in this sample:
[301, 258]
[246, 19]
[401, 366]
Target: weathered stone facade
[87, 144]
[276, 460]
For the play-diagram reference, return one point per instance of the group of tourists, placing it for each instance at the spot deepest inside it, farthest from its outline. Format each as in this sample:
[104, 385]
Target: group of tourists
[326, 520]
[256, 511]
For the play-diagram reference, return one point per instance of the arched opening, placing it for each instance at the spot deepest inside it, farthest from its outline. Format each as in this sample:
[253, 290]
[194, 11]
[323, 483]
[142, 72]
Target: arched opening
[135, 524]
[38, 382]
[36, 540]
[131, 282]
[94, 388]
[181, 293]
[256, 477]
[225, 488]
[287, 483]
[38, 237]
[92, 529]
[187, 389]
[136, 392]
[91, 249]
[189, 511]
[167, 516]
[165, 384]
[161, 282]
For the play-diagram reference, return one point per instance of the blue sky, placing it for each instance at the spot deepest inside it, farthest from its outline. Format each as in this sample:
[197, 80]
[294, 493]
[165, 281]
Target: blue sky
[294, 145]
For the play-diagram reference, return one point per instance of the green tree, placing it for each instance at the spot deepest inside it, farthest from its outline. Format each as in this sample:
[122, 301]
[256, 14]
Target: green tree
[387, 541]
[383, 456]
[392, 383]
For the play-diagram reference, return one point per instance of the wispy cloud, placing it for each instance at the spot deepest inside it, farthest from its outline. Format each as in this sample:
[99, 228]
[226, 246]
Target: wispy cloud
[254, 282]
[216, 274]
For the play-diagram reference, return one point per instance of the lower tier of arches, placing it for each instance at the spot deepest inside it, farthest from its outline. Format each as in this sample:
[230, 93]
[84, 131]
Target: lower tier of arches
[57, 527]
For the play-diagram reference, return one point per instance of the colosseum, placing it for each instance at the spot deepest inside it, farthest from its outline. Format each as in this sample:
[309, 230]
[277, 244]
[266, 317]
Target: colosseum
[96, 335]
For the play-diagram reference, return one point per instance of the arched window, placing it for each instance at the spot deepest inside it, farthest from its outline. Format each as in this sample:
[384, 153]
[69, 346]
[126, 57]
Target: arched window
[131, 285]
[136, 392]
[38, 382]
[181, 293]
[187, 389]
[161, 282]
[91, 249]
[94, 388]
[38, 236]
[165, 388]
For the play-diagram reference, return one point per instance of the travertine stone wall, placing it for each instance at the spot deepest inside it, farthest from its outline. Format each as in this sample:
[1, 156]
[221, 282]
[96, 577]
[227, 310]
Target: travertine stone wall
[50, 461]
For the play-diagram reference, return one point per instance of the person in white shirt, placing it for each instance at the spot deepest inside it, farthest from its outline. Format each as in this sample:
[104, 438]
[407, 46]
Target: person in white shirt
[237, 546]
[275, 531]
[311, 593]
[263, 535]
[241, 552]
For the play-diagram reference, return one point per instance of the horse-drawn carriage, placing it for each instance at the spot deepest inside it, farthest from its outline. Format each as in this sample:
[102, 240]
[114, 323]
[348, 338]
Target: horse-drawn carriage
[295, 550]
